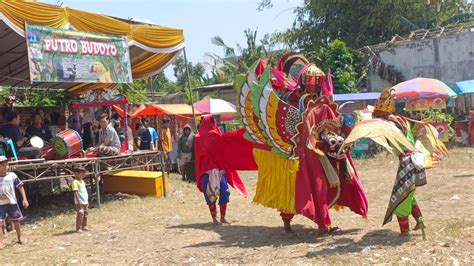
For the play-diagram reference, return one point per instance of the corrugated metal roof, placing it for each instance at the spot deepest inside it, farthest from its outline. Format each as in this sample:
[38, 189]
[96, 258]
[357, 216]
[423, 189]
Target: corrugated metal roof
[356, 96]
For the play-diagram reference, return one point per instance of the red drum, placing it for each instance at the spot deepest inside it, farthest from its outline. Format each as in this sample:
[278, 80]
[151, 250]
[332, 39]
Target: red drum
[67, 143]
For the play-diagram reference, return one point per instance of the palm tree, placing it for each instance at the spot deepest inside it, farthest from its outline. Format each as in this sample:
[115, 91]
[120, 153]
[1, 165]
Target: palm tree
[237, 60]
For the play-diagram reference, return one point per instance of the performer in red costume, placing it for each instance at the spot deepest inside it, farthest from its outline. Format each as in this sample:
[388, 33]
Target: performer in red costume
[325, 178]
[218, 157]
[297, 135]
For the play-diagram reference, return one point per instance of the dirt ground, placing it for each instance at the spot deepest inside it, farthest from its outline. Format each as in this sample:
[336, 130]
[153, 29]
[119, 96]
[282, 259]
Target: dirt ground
[177, 229]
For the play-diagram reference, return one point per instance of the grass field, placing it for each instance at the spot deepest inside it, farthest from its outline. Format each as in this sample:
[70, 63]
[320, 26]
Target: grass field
[178, 229]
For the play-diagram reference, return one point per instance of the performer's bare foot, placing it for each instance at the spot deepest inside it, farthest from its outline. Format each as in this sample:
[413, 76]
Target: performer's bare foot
[21, 242]
[419, 226]
[2, 245]
[327, 231]
[224, 221]
[214, 221]
[405, 234]
[287, 226]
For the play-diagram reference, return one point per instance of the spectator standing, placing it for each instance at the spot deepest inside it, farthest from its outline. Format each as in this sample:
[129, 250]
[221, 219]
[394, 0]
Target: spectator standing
[185, 149]
[81, 199]
[9, 181]
[165, 143]
[144, 139]
[154, 134]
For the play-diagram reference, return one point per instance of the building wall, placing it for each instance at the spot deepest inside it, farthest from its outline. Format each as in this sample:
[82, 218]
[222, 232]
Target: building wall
[227, 94]
[447, 58]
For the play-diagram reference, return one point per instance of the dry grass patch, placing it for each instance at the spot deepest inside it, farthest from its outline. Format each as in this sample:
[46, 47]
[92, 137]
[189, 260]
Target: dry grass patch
[178, 229]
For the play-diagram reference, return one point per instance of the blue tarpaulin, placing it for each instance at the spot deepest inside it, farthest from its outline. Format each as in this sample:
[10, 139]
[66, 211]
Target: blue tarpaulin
[356, 96]
[464, 87]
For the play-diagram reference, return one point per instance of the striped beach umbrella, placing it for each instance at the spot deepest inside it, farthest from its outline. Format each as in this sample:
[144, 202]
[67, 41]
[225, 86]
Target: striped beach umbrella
[422, 88]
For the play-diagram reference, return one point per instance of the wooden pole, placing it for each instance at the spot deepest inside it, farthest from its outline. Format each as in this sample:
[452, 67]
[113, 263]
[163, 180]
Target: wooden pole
[190, 88]
[150, 88]
[97, 181]
[163, 172]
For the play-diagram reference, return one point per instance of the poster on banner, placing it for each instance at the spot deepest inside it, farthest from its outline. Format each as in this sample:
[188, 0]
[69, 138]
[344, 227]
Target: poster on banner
[99, 97]
[60, 55]
[443, 130]
[425, 104]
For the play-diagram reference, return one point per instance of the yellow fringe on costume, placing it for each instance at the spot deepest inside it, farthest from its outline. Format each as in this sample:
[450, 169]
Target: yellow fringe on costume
[338, 207]
[276, 181]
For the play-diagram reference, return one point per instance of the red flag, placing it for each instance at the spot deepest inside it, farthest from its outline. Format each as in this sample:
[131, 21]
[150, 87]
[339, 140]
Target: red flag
[331, 86]
[328, 89]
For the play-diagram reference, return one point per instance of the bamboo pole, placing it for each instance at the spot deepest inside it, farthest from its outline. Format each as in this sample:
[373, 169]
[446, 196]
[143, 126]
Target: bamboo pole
[190, 88]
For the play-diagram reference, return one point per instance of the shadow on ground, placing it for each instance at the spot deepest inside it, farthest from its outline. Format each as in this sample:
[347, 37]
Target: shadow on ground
[373, 239]
[258, 236]
[55, 205]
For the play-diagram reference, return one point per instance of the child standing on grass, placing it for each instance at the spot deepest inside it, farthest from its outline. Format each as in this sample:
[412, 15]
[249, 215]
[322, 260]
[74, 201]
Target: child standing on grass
[8, 202]
[81, 198]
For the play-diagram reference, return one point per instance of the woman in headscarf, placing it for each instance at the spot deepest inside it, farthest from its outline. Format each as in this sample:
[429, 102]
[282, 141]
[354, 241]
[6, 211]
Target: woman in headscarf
[185, 148]
[218, 157]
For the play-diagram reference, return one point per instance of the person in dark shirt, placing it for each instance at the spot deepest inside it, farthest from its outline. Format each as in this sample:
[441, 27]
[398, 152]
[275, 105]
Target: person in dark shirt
[38, 128]
[74, 121]
[12, 131]
[91, 134]
[115, 121]
[143, 137]
[54, 127]
[185, 148]
[40, 111]
[5, 111]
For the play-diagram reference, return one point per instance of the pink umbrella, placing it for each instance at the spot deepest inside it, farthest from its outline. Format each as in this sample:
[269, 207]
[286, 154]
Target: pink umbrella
[422, 88]
[215, 107]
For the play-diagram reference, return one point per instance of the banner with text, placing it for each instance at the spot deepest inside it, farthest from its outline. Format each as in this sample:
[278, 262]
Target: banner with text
[59, 55]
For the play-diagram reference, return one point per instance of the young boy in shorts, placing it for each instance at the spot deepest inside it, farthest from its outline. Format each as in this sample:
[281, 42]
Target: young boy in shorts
[81, 199]
[8, 203]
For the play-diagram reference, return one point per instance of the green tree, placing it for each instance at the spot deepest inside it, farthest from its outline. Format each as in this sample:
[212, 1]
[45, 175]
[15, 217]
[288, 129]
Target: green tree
[196, 71]
[365, 22]
[47, 98]
[222, 71]
[196, 77]
[238, 59]
[338, 57]
[137, 92]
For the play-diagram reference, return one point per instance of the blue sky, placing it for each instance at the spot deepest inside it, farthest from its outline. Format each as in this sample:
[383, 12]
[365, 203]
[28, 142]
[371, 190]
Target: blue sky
[200, 19]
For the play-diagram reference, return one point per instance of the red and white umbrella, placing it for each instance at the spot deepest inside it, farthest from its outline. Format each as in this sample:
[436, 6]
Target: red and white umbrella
[215, 107]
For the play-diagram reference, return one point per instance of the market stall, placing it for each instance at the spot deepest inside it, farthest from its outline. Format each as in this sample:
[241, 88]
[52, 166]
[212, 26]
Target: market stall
[464, 106]
[179, 114]
[425, 94]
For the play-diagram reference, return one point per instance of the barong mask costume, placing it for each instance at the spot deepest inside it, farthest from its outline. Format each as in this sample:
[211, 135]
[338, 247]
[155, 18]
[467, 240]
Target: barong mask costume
[297, 134]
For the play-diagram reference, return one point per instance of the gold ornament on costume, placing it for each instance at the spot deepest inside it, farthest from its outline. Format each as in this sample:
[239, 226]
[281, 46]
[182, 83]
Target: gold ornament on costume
[386, 102]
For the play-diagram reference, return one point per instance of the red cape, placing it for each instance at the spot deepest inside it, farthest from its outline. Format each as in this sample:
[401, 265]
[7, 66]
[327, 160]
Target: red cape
[313, 194]
[229, 151]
